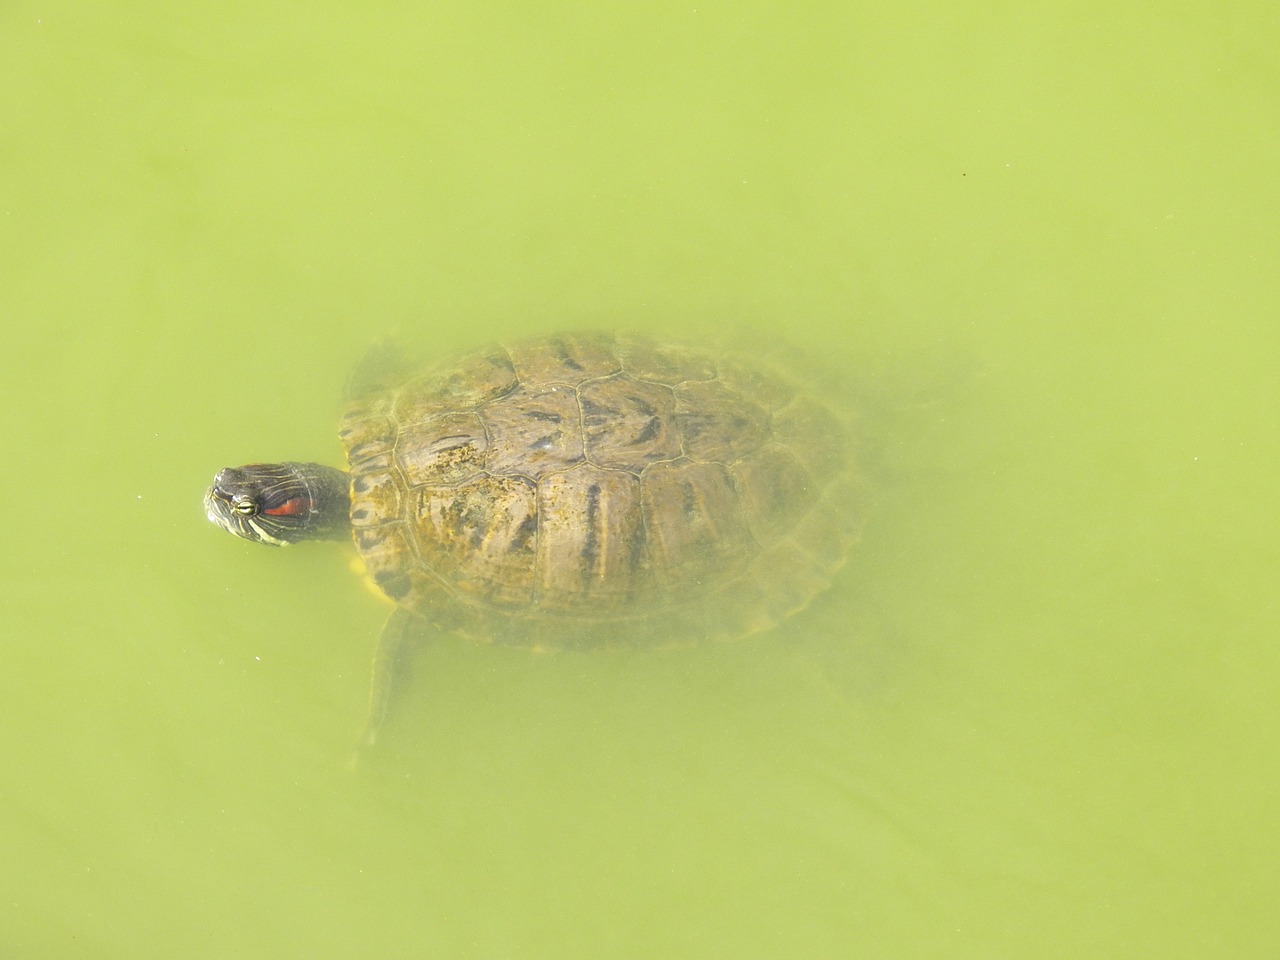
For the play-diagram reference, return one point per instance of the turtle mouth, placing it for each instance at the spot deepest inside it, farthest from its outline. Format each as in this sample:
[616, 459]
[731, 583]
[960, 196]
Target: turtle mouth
[218, 509]
[228, 511]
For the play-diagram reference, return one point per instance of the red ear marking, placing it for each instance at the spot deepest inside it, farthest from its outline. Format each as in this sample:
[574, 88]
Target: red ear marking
[290, 508]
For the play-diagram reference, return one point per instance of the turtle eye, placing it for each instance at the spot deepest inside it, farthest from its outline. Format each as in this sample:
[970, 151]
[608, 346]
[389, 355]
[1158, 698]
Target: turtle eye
[245, 506]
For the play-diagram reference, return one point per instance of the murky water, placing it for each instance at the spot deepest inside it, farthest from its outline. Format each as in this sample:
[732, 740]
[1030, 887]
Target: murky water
[1034, 717]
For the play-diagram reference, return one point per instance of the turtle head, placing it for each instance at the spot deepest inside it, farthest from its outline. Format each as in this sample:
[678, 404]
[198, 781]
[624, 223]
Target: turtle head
[280, 503]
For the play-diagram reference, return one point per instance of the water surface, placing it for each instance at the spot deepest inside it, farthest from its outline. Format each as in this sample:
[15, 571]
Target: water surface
[1034, 717]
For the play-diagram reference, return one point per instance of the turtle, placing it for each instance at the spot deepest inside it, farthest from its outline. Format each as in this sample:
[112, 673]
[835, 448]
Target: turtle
[579, 490]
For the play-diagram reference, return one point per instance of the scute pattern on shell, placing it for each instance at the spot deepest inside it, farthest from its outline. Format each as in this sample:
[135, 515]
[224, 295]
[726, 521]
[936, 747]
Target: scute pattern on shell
[592, 489]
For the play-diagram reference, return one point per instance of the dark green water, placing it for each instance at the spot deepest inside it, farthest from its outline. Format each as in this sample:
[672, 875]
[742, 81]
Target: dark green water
[1036, 717]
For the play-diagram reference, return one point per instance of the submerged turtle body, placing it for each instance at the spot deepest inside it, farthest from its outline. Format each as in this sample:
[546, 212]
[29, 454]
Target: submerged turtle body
[590, 489]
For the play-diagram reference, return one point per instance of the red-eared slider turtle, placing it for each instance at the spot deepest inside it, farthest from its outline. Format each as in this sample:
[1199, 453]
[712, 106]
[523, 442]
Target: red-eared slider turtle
[573, 491]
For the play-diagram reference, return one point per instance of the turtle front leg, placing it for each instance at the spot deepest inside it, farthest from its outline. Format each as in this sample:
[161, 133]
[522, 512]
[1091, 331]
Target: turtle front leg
[390, 669]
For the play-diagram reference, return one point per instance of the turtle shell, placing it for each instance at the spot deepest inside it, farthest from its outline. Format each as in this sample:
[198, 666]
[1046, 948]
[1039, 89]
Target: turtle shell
[591, 489]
